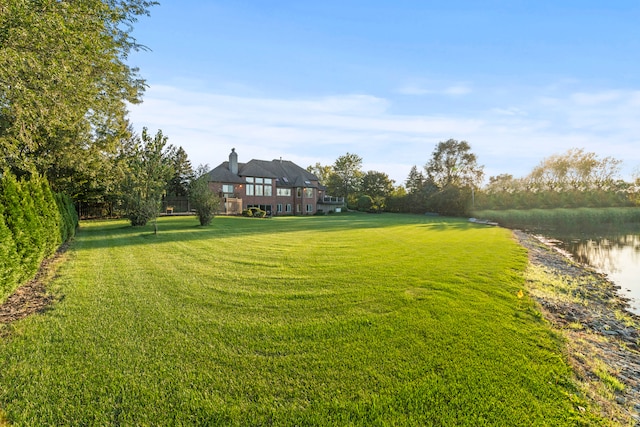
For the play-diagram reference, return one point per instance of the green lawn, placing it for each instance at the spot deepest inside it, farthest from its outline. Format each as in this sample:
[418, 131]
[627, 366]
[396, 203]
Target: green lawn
[336, 320]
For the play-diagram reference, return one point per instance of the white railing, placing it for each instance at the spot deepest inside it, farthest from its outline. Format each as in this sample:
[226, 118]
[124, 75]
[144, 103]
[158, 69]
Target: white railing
[330, 199]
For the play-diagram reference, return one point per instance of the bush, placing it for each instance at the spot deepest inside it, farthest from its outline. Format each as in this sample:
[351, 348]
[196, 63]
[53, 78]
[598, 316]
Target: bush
[450, 201]
[9, 262]
[561, 219]
[142, 212]
[202, 199]
[21, 220]
[69, 216]
[254, 213]
[364, 203]
[33, 223]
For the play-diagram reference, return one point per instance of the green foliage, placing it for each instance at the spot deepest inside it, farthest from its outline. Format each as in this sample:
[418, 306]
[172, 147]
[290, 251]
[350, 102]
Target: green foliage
[149, 169]
[453, 164]
[415, 180]
[68, 215]
[570, 180]
[183, 173]
[353, 320]
[21, 219]
[321, 172]
[377, 184]
[202, 199]
[364, 203]
[346, 178]
[9, 261]
[30, 228]
[446, 186]
[64, 82]
[450, 200]
[561, 219]
[254, 213]
[47, 214]
[573, 170]
[620, 195]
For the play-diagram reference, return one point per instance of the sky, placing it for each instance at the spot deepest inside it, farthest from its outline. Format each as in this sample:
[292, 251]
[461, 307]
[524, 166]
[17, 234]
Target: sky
[309, 81]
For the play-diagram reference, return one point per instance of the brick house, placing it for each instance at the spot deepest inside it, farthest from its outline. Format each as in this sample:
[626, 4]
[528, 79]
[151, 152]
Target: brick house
[279, 187]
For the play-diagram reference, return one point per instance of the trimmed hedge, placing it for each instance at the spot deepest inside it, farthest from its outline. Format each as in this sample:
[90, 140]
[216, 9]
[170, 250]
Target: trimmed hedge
[34, 222]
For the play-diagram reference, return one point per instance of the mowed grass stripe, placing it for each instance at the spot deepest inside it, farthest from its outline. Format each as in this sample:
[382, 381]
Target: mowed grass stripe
[345, 320]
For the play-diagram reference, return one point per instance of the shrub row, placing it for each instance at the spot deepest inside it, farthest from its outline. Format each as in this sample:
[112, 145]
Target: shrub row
[34, 222]
[552, 199]
[561, 219]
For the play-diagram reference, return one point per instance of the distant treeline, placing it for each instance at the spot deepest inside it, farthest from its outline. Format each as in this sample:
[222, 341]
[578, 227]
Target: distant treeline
[563, 218]
[34, 222]
[620, 194]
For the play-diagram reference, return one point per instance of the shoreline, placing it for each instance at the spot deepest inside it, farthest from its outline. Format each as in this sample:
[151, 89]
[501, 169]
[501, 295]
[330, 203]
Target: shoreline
[601, 334]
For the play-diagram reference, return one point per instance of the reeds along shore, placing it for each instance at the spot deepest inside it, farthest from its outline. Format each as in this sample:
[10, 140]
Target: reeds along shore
[563, 218]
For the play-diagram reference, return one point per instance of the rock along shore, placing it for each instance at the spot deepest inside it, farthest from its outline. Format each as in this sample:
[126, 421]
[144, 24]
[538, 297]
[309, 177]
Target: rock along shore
[602, 335]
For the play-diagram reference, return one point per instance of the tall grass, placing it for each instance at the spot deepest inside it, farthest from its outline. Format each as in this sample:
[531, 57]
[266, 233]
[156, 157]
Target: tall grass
[335, 320]
[562, 219]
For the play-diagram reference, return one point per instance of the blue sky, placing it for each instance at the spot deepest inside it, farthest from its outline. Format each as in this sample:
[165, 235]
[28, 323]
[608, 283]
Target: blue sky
[309, 81]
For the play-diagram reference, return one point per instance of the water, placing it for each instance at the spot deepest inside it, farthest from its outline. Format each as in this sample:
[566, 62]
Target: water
[615, 254]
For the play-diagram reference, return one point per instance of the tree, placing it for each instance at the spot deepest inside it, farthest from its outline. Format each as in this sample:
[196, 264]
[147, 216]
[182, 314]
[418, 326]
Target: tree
[454, 172]
[377, 184]
[322, 172]
[182, 173]
[202, 199]
[502, 183]
[414, 181]
[64, 83]
[347, 174]
[149, 169]
[575, 170]
[454, 164]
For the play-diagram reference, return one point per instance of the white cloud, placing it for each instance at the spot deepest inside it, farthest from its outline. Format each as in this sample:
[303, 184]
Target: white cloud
[507, 139]
[417, 89]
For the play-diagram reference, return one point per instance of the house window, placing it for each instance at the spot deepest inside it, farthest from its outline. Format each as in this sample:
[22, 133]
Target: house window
[309, 208]
[298, 208]
[283, 192]
[259, 186]
[279, 207]
[250, 186]
[289, 207]
[227, 189]
[299, 192]
[308, 193]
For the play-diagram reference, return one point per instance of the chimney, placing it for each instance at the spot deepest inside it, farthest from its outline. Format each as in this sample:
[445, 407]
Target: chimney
[233, 161]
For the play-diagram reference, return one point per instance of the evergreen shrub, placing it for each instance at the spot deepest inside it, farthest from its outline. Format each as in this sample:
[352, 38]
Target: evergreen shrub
[33, 224]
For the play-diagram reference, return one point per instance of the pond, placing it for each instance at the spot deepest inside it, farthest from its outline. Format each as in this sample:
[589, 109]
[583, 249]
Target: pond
[617, 254]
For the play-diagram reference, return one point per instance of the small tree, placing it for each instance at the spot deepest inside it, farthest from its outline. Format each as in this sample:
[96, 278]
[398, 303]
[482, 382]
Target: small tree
[415, 181]
[202, 199]
[182, 173]
[149, 169]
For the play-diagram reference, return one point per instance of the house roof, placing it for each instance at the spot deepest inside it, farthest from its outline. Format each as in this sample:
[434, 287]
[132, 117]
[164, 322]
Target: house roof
[221, 173]
[286, 172]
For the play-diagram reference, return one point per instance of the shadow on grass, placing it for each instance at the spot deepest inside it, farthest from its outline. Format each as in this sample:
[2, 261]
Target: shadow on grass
[116, 233]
